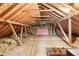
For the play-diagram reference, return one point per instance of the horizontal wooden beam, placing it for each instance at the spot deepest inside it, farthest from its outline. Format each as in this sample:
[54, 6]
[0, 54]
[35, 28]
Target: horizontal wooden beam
[46, 10]
[2, 20]
[40, 16]
[18, 39]
[12, 22]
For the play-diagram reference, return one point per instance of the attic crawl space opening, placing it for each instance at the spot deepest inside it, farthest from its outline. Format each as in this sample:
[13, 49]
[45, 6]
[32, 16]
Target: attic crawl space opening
[39, 29]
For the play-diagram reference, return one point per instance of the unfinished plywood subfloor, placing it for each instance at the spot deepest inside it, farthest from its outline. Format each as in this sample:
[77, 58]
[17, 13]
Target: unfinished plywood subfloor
[36, 46]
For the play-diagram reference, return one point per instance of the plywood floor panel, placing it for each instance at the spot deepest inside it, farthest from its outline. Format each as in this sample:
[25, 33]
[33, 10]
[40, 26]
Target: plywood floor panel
[36, 46]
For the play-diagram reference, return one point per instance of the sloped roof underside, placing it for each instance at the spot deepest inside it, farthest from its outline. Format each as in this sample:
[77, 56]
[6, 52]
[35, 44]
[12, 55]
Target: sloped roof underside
[30, 13]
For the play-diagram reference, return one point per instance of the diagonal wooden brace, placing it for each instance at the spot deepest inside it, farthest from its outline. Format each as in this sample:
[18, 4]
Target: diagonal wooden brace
[67, 39]
[17, 38]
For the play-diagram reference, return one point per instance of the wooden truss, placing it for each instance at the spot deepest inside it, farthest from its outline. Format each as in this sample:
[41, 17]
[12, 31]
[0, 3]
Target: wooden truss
[68, 39]
[23, 26]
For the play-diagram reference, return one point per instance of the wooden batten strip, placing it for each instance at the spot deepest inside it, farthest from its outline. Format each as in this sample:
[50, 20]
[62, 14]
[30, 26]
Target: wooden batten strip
[4, 7]
[52, 11]
[1, 4]
[28, 13]
[8, 9]
[13, 11]
[56, 7]
[25, 30]
[55, 19]
[70, 30]
[20, 12]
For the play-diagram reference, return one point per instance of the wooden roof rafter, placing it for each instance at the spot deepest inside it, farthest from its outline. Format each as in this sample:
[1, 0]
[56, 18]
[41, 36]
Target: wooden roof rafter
[13, 11]
[22, 13]
[53, 16]
[8, 9]
[56, 10]
[6, 5]
[54, 13]
[27, 13]
[1, 4]
[67, 16]
[12, 15]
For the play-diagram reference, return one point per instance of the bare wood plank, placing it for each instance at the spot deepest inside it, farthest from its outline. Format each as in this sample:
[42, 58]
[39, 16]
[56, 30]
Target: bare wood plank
[21, 32]
[1, 4]
[67, 39]
[57, 7]
[12, 22]
[56, 10]
[54, 29]
[30, 12]
[25, 31]
[17, 38]
[53, 12]
[13, 11]
[4, 7]
[40, 16]
[2, 20]
[8, 9]
[70, 30]
[19, 14]
[55, 19]
[63, 32]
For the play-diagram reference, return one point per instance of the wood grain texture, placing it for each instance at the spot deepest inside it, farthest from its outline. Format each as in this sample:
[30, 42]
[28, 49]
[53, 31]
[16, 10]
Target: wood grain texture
[18, 12]
[23, 13]
[75, 25]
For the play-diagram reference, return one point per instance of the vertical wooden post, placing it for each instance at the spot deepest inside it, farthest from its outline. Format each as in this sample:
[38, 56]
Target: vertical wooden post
[51, 30]
[21, 32]
[19, 42]
[54, 29]
[70, 30]
[67, 39]
[25, 31]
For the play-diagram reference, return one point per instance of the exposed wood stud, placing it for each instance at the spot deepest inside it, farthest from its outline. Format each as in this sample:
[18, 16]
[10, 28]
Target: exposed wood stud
[54, 28]
[25, 31]
[67, 39]
[63, 32]
[51, 30]
[12, 22]
[70, 30]
[21, 32]
[17, 38]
